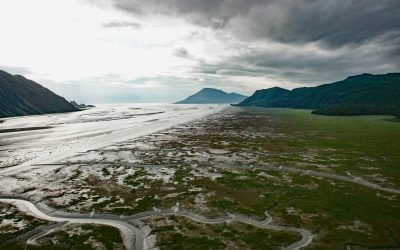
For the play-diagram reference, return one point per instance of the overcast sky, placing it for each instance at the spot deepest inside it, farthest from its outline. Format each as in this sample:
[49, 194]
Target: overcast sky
[162, 50]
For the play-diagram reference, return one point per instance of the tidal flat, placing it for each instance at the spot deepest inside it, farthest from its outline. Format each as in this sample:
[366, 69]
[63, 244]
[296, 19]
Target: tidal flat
[256, 176]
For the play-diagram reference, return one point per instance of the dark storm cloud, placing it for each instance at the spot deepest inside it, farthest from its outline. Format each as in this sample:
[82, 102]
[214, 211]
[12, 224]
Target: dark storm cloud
[307, 65]
[331, 22]
[311, 41]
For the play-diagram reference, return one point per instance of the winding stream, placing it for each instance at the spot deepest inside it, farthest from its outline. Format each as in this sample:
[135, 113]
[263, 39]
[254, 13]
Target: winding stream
[133, 237]
[350, 178]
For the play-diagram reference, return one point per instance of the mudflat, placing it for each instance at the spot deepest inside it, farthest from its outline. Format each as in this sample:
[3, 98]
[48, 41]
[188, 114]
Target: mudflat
[245, 177]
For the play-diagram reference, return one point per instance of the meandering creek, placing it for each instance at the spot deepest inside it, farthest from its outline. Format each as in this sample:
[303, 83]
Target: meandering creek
[134, 237]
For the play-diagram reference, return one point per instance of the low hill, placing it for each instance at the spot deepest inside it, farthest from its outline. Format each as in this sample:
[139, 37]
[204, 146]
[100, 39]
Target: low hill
[81, 106]
[20, 96]
[364, 94]
[213, 96]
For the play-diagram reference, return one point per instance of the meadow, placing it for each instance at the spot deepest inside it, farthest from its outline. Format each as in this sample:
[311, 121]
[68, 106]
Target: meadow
[246, 161]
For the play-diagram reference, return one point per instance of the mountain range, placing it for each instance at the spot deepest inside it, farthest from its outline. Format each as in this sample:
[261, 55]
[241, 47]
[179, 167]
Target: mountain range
[213, 96]
[364, 94]
[20, 96]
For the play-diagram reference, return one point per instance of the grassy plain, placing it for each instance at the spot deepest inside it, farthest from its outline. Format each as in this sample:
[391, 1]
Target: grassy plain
[232, 162]
[251, 141]
[180, 233]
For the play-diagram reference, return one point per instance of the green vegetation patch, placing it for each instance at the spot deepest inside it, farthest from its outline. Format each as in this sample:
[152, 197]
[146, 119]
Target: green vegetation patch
[181, 233]
[14, 224]
[81, 237]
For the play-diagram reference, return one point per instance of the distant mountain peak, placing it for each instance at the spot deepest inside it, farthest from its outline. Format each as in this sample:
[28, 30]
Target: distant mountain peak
[276, 88]
[211, 90]
[212, 95]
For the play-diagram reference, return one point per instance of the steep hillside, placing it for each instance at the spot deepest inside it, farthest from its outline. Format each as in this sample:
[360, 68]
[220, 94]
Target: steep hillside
[364, 94]
[20, 96]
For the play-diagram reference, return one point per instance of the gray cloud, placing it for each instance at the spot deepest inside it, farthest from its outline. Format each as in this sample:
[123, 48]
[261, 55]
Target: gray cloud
[348, 36]
[181, 52]
[305, 66]
[111, 88]
[122, 24]
[333, 23]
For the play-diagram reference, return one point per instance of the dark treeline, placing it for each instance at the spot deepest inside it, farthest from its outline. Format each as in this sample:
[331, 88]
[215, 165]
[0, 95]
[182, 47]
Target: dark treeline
[358, 109]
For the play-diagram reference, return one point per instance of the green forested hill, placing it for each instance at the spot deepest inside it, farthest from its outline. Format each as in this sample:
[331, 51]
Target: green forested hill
[20, 96]
[364, 94]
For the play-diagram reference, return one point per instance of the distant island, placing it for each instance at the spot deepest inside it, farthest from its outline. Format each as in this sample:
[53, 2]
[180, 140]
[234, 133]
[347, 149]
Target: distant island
[20, 96]
[364, 94]
[81, 106]
[213, 96]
